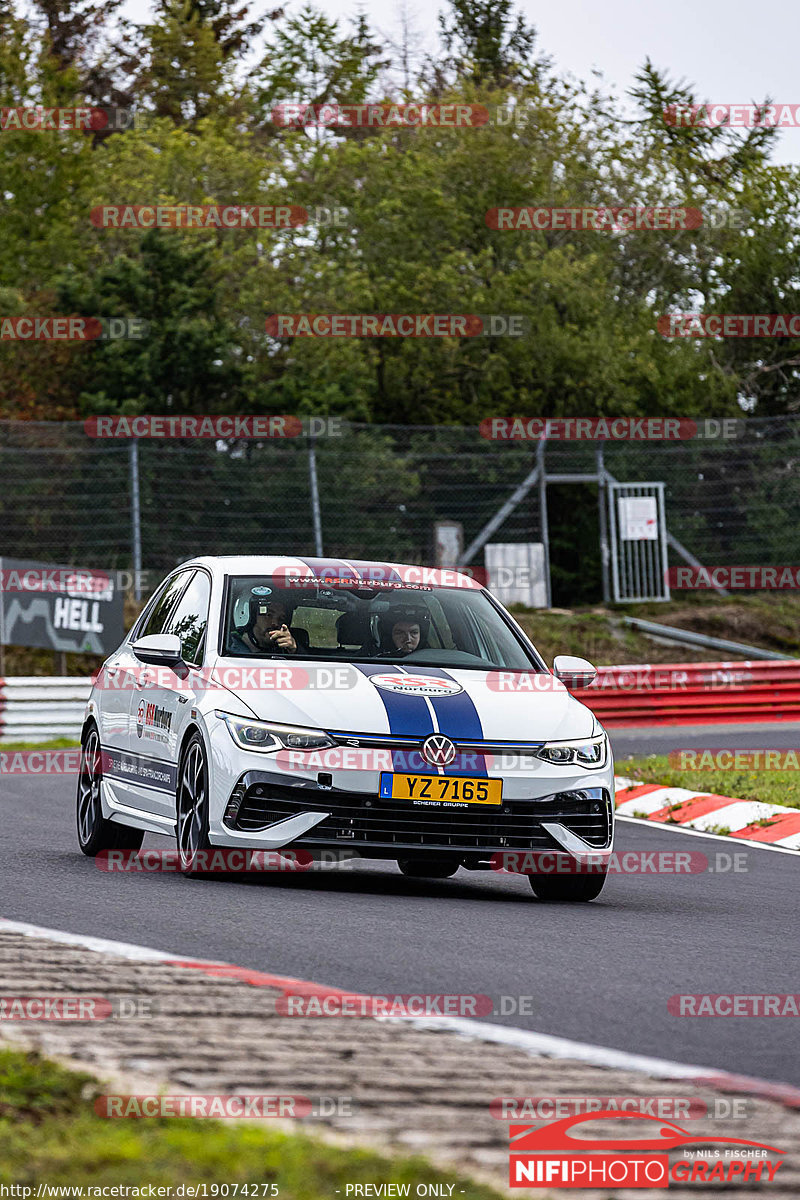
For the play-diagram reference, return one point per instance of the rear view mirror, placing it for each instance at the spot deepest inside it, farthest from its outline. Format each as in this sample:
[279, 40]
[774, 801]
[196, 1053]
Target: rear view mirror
[574, 672]
[159, 650]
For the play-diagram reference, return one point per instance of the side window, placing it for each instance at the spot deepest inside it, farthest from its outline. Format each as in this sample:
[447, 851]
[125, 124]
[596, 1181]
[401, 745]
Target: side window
[163, 605]
[190, 617]
[319, 624]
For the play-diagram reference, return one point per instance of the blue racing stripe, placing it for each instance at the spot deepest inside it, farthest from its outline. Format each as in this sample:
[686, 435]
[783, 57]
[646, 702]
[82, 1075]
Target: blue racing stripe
[457, 714]
[457, 717]
[409, 716]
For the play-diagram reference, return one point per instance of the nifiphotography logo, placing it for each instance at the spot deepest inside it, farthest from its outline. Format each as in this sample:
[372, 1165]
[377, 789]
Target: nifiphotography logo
[551, 1155]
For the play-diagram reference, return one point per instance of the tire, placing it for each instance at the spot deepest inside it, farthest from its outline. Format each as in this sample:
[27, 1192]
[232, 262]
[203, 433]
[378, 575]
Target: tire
[95, 832]
[575, 888]
[191, 803]
[416, 868]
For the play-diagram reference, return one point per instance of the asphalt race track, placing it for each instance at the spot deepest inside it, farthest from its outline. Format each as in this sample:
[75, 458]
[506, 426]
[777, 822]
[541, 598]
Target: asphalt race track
[599, 973]
[763, 735]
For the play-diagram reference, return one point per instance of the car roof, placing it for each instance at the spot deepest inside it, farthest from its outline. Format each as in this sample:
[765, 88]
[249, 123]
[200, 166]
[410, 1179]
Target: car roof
[268, 564]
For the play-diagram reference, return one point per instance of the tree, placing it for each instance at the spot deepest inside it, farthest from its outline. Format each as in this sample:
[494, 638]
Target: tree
[186, 362]
[487, 44]
[309, 59]
[184, 76]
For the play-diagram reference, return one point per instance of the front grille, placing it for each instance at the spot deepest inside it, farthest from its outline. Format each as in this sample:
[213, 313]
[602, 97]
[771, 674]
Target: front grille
[361, 819]
[391, 741]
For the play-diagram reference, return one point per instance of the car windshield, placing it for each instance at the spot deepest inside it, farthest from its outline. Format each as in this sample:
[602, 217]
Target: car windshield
[439, 626]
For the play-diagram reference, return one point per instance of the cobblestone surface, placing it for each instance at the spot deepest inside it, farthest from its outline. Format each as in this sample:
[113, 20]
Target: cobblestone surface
[414, 1089]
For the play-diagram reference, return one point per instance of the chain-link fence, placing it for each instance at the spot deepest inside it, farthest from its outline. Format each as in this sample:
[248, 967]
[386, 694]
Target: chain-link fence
[69, 499]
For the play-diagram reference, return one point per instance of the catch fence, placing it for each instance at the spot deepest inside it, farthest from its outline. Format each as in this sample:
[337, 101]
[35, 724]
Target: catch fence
[70, 499]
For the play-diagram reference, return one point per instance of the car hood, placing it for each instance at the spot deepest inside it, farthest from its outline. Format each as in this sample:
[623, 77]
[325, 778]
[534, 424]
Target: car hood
[364, 698]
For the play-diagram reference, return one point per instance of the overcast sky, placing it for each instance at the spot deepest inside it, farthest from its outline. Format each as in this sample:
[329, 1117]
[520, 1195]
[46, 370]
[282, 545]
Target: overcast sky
[731, 51]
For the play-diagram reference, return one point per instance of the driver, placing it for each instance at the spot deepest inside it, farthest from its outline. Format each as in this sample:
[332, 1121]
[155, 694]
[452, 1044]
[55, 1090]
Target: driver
[403, 630]
[268, 628]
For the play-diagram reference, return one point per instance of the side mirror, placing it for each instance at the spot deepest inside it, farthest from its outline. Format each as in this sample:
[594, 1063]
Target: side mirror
[159, 650]
[573, 672]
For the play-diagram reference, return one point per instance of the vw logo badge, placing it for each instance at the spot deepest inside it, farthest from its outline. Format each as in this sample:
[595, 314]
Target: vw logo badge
[438, 750]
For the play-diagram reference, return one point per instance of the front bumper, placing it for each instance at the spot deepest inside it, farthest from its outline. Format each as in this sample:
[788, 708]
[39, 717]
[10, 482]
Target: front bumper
[265, 810]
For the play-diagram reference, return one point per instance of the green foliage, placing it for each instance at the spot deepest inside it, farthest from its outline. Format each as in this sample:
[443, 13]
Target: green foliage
[49, 1130]
[409, 235]
[486, 43]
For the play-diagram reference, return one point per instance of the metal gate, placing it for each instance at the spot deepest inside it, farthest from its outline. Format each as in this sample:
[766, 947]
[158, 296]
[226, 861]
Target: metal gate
[638, 541]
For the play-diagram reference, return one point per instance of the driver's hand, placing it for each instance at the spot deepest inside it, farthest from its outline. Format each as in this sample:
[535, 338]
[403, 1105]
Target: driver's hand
[282, 638]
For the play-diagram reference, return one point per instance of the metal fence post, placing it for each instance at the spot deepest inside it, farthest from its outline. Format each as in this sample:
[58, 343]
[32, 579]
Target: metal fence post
[605, 549]
[315, 510]
[543, 522]
[136, 520]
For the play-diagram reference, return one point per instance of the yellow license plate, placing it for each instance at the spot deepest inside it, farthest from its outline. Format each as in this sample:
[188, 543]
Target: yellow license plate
[444, 789]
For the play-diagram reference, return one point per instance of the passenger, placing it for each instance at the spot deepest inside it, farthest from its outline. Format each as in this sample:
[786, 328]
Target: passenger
[403, 630]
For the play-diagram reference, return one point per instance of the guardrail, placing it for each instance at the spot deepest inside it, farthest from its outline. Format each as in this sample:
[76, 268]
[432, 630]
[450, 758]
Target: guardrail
[688, 637]
[695, 693]
[38, 708]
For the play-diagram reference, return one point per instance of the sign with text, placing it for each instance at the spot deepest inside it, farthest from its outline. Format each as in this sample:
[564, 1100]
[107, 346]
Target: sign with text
[638, 518]
[59, 608]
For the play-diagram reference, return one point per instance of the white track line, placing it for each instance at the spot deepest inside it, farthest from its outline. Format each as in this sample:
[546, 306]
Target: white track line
[100, 945]
[535, 1044]
[738, 843]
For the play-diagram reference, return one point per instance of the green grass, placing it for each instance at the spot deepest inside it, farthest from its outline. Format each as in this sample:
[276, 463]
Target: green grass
[53, 744]
[49, 1132]
[773, 787]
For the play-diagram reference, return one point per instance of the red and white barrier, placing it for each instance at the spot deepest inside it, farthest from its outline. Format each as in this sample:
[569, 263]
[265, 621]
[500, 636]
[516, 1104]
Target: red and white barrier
[749, 820]
[695, 693]
[37, 708]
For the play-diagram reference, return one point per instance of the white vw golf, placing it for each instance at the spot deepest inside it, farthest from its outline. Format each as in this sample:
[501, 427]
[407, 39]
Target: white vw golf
[386, 711]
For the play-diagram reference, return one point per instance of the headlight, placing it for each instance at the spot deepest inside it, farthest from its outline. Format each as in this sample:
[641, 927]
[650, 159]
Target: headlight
[264, 735]
[590, 753]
